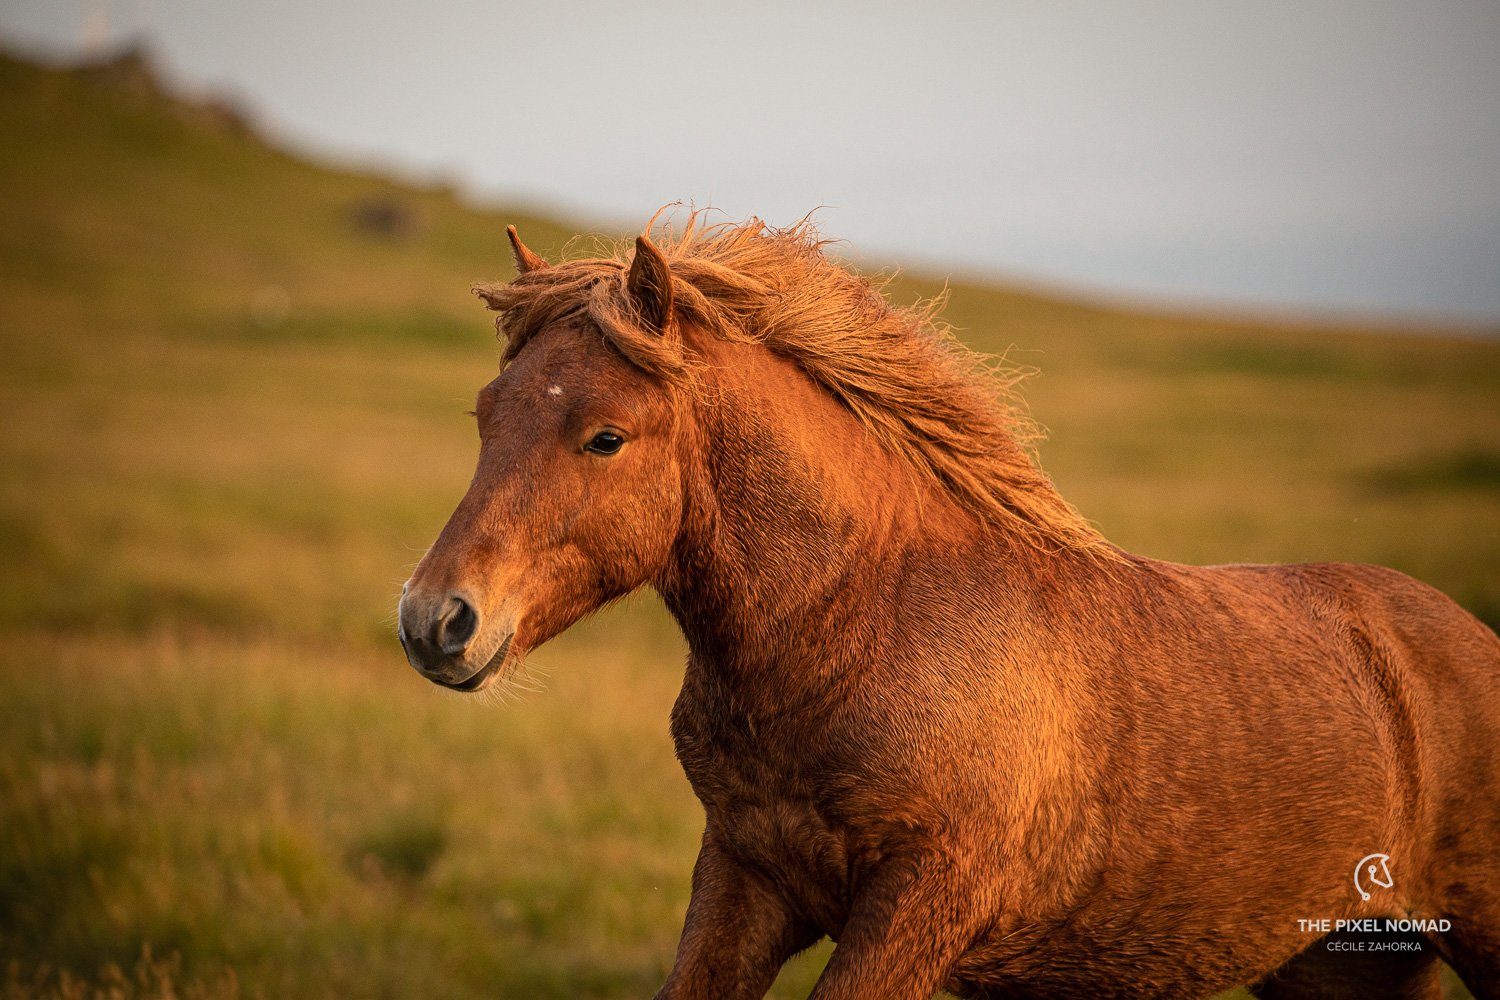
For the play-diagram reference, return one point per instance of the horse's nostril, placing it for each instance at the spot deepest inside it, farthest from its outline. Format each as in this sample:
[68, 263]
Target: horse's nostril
[460, 622]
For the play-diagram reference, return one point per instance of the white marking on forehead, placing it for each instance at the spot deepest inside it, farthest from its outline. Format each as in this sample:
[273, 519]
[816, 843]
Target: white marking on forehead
[554, 390]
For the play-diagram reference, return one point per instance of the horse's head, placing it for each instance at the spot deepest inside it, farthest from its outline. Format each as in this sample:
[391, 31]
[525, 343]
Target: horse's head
[575, 501]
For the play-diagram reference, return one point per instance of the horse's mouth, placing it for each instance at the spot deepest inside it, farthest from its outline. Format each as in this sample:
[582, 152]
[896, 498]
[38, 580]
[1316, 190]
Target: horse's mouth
[480, 677]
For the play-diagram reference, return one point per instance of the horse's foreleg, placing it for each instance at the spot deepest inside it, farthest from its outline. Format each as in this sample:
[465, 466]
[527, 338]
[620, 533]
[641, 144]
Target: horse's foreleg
[906, 931]
[737, 934]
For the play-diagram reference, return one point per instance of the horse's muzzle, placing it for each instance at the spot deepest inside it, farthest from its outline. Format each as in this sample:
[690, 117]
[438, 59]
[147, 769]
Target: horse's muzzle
[446, 640]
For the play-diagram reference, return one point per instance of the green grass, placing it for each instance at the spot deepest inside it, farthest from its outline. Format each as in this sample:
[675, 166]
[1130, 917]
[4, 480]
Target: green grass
[230, 422]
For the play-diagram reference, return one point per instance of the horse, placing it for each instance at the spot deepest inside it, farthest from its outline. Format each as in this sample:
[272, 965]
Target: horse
[930, 712]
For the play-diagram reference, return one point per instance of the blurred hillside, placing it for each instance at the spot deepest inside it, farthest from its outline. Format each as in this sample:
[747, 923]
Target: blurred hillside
[232, 415]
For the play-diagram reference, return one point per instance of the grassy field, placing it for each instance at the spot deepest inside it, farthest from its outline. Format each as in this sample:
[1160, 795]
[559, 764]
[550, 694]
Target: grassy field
[232, 416]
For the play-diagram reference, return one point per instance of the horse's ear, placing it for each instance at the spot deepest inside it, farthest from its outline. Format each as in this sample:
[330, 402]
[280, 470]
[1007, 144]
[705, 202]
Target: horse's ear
[650, 285]
[526, 261]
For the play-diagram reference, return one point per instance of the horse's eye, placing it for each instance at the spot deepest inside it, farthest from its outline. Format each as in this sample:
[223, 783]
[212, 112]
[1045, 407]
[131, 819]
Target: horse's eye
[604, 443]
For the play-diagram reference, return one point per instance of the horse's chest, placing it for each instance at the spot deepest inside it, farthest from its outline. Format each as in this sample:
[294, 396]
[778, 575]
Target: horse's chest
[734, 755]
[773, 813]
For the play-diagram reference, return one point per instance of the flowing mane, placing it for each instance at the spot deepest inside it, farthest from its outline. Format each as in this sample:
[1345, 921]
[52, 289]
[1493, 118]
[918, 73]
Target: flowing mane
[921, 393]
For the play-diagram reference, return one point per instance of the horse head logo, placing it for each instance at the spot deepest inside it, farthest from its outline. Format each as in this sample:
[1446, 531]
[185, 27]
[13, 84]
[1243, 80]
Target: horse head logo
[1372, 870]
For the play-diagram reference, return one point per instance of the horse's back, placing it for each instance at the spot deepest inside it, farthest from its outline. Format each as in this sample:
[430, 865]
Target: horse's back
[1413, 641]
[1421, 662]
[1390, 627]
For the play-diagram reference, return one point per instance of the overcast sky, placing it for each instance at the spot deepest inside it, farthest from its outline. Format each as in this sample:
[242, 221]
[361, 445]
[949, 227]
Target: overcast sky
[1316, 154]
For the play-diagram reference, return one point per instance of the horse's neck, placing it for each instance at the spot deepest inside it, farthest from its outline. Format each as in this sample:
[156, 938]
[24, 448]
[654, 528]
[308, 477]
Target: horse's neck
[799, 527]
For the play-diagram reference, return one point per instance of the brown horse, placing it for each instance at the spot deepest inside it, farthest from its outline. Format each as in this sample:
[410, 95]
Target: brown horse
[930, 713]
